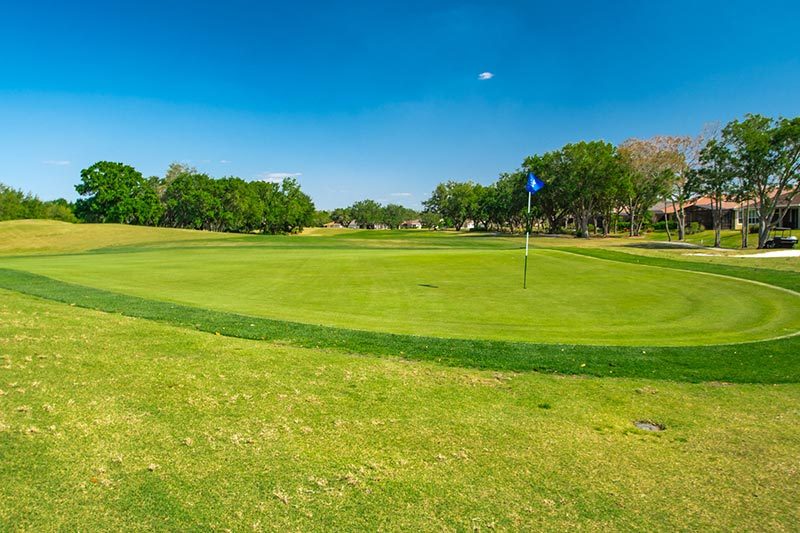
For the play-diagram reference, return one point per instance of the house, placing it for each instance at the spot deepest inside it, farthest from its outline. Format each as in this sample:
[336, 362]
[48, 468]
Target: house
[411, 224]
[332, 225]
[354, 225]
[791, 218]
[700, 210]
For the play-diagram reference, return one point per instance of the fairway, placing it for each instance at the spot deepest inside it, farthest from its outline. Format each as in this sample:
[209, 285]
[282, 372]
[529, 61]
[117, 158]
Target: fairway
[450, 293]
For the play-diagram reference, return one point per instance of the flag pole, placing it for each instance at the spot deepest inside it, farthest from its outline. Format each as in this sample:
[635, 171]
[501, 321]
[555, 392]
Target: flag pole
[527, 237]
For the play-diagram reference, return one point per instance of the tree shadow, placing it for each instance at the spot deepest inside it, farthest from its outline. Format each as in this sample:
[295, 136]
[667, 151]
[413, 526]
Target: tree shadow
[662, 245]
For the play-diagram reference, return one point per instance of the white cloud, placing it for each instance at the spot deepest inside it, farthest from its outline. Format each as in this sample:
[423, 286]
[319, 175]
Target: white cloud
[485, 76]
[224, 161]
[401, 194]
[56, 162]
[277, 177]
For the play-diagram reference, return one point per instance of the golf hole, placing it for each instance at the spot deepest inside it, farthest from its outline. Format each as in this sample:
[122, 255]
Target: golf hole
[648, 425]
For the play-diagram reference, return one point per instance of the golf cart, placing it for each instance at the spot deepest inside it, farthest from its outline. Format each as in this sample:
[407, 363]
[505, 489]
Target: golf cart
[784, 240]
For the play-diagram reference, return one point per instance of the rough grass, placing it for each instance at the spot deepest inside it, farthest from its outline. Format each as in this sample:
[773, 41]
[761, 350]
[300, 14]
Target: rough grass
[115, 423]
[50, 236]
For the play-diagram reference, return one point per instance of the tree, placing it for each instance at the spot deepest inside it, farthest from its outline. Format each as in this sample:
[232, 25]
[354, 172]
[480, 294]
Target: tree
[648, 175]
[271, 206]
[366, 213]
[59, 209]
[454, 201]
[588, 170]
[553, 200]
[114, 192]
[765, 155]
[506, 200]
[191, 201]
[394, 214]
[429, 219]
[15, 205]
[320, 218]
[298, 207]
[341, 215]
[686, 158]
[11, 207]
[714, 179]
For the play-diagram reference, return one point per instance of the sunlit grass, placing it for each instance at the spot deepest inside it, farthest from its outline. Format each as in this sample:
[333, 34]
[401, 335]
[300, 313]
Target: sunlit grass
[110, 423]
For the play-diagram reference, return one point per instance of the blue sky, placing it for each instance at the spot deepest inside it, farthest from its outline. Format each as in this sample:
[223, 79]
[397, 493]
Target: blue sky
[371, 99]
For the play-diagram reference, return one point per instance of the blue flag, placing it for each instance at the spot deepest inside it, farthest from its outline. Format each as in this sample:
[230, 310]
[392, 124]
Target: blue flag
[534, 183]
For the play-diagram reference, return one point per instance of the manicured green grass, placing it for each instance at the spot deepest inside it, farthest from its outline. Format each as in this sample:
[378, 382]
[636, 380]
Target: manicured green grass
[448, 293]
[115, 423]
[728, 238]
[759, 362]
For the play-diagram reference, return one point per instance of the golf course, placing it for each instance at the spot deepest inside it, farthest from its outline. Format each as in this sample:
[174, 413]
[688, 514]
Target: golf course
[155, 378]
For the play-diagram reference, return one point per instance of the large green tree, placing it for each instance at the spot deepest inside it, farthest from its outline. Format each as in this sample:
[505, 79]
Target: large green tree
[192, 201]
[298, 209]
[342, 216]
[553, 200]
[366, 213]
[115, 192]
[765, 155]
[395, 214]
[590, 169]
[454, 201]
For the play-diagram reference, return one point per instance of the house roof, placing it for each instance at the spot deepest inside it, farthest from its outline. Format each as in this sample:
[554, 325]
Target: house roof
[704, 202]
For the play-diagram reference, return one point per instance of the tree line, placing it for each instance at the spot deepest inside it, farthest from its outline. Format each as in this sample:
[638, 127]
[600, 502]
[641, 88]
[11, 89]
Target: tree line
[754, 161]
[368, 214]
[589, 186]
[185, 198]
[15, 205]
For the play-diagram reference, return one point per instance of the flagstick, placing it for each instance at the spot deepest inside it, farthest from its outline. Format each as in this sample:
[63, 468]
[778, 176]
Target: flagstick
[527, 236]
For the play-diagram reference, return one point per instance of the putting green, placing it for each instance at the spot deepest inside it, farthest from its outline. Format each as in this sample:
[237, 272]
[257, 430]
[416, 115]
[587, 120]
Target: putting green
[445, 293]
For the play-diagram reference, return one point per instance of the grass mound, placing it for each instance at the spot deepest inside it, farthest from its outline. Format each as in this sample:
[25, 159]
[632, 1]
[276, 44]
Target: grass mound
[51, 236]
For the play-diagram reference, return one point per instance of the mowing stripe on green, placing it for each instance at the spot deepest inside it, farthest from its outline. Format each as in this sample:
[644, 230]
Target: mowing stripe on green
[757, 362]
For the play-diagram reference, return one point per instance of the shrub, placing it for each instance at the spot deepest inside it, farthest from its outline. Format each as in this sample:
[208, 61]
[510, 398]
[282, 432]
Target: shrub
[695, 227]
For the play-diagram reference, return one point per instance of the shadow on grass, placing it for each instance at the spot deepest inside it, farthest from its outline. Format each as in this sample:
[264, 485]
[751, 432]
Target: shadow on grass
[663, 245]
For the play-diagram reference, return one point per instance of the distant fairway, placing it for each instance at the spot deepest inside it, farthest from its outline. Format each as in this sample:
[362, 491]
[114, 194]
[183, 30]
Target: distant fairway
[463, 293]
